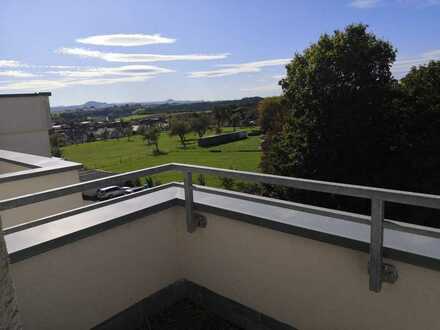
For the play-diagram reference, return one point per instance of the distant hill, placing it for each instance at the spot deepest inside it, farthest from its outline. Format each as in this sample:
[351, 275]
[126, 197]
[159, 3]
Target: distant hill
[94, 105]
[120, 110]
[86, 106]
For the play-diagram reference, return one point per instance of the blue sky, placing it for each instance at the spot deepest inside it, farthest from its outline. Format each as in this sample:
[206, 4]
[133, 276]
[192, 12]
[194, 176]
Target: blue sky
[128, 50]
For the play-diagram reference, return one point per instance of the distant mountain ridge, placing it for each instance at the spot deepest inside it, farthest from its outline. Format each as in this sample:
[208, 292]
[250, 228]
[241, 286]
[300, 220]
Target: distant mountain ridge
[86, 106]
[91, 105]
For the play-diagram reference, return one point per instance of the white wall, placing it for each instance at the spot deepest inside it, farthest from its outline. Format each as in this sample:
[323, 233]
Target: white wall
[86, 282]
[25, 123]
[306, 283]
[38, 210]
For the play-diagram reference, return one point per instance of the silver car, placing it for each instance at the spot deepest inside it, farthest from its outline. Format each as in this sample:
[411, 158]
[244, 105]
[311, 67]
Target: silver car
[110, 192]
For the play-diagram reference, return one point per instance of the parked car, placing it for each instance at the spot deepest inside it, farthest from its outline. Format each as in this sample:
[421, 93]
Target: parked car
[110, 192]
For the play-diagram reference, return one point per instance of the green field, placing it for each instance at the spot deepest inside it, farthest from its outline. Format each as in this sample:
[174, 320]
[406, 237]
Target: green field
[134, 117]
[122, 155]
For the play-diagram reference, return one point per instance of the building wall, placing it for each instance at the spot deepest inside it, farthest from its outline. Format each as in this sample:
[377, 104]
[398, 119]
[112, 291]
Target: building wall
[25, 124]
[305, 283]
[308, 284]
[86, 282]
[30, 212]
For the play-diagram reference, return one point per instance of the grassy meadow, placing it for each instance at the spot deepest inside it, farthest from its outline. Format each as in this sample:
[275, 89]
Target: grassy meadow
[122, 155]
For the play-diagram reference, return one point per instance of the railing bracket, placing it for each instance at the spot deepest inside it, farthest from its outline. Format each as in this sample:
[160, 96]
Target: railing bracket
[389, 273]
[200, 220]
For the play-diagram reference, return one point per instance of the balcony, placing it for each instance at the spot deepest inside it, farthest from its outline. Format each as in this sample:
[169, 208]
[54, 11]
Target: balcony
[22, 173]
[257, 262]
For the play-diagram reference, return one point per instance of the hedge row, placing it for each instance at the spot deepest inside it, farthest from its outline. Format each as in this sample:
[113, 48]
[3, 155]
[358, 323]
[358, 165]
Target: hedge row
[216, 140]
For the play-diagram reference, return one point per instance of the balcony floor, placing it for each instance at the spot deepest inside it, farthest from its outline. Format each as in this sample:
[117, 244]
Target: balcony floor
[186, 314]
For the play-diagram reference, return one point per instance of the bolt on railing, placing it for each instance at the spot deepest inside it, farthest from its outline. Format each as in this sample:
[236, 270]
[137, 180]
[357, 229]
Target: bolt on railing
[378, 271]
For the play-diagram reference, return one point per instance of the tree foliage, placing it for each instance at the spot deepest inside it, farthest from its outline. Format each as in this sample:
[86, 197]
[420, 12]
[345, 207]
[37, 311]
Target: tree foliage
[336, 92]
[272, 114]
[152, 135]
[56, 143]
[200, 124]
[418, 114]
[349, 120]
[180, 127]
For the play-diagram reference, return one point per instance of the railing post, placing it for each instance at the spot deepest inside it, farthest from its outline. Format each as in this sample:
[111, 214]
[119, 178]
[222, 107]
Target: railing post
[190, 224]
[376, 243]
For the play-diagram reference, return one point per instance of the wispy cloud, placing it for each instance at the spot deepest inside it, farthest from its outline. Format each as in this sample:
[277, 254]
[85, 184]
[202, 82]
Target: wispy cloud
[364, 4]
[138, 58]
[32, 85]
[108, 81]
[9, 64]
[126, 40]
[404, 64]
[128, 70]
[233, 69]
[66, 76]
[16, 74]
[51, 84]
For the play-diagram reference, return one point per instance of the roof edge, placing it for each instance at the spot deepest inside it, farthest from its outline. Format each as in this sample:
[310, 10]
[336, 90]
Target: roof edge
[27, 94]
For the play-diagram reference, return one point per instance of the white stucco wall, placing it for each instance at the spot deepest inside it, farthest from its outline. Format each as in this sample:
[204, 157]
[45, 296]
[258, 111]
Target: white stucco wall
[86, 282]
[25, 124]
[38, 210]
[308, 284]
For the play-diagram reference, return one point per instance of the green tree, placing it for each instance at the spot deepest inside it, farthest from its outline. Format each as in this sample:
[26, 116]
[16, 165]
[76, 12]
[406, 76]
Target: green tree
[338, 92]
[121, 128]
[200, 125]
[418, 118]
[180, 127]
[128, 131]
[141, 130]
[272, 115]
[55, 145]
[234, 119]
[220, 116]
[105, 134]
[152, 135]
[91, 137]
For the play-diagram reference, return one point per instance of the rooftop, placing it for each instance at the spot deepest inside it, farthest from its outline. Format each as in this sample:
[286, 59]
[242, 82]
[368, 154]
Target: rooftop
[24, 165]
[26, 94]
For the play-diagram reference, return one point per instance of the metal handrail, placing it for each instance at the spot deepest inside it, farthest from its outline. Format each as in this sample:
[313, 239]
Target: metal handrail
[378, 197]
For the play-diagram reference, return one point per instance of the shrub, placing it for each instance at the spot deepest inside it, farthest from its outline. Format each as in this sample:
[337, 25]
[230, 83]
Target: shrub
[227, 183]
[201, 180]
[149, 182]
